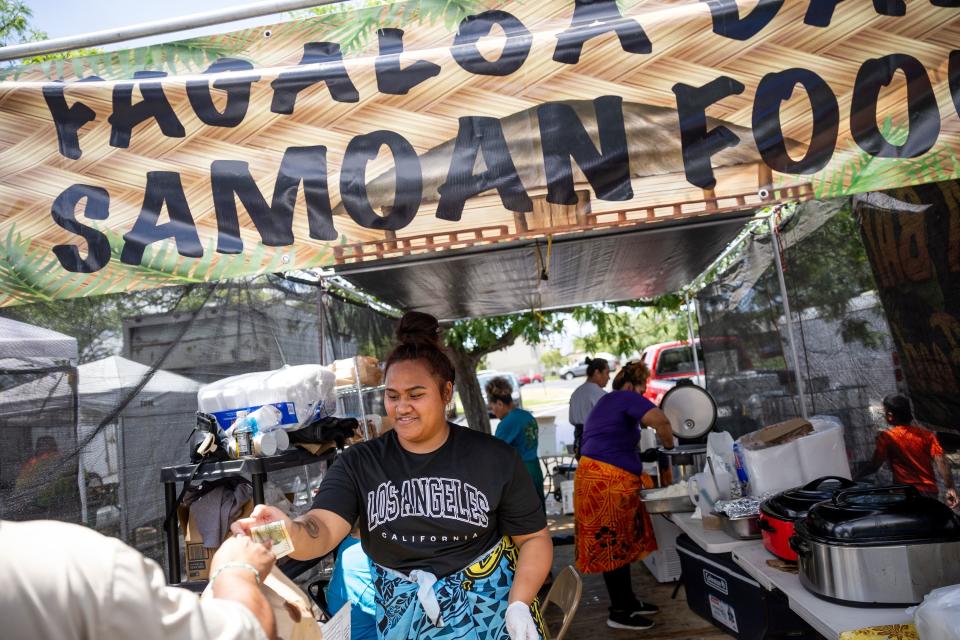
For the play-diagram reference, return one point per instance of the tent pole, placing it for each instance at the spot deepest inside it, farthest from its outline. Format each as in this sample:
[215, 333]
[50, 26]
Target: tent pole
[693, 344]
[122, 482]
[156, 28]
[786, 314]
[73, 379]
[322, 321]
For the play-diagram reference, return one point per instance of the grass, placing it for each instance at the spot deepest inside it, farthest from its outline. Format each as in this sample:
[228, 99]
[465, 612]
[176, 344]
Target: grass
[536, 395]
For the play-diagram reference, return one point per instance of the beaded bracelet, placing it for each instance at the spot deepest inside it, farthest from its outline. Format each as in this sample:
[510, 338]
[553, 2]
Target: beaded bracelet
[236, 565]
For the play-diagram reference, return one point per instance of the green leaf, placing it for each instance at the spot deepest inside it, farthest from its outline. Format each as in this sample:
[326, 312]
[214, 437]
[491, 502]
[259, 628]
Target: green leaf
[198, 57]
[202, 267]
[28, 274]
[125, 64]
[95, 62]
[170, 57]
[77, 67]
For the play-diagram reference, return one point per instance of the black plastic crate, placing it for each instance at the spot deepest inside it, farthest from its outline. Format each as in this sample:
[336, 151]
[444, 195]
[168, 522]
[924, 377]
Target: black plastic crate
[719, 591]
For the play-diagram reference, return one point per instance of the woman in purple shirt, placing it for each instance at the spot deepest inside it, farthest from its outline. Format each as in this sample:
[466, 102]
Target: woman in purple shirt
[612, 527]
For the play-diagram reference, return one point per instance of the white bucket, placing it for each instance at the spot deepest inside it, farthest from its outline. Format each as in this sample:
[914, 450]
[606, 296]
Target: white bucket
[547, 437]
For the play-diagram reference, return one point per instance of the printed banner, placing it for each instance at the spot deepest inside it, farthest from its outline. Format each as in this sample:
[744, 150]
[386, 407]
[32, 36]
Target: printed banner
[912, 237]
[426, 125]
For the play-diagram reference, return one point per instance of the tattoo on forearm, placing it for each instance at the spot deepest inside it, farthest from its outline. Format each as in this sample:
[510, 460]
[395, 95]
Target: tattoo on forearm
[309, 525]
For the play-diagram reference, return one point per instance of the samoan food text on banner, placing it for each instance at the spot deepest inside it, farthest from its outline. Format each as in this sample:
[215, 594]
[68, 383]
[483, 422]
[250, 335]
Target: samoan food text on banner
[267, 149]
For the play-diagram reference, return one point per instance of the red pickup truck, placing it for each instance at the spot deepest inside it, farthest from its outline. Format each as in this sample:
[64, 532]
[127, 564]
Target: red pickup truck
[669, 362]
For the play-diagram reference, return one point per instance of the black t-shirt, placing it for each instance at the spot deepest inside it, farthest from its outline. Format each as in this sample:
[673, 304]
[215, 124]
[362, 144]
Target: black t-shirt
[435, 511]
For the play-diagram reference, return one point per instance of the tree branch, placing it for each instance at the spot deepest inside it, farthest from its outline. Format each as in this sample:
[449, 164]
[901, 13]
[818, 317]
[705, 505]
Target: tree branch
[504, 341]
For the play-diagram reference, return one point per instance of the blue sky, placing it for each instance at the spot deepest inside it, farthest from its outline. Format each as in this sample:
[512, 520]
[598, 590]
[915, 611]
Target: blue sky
[71, 17]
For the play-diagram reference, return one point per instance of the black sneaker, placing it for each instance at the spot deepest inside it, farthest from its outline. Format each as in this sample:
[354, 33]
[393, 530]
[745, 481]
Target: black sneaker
[628, 620]
[645, 608]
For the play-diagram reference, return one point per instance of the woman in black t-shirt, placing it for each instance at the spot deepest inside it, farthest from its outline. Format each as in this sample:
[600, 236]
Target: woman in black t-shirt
[448, 516]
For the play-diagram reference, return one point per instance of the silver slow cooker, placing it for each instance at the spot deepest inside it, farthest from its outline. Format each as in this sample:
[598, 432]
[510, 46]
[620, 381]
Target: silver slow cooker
[881, 546]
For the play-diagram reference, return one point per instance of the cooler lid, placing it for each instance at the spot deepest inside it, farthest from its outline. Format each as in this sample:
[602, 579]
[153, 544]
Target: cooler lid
[691, 410]
[882, 515]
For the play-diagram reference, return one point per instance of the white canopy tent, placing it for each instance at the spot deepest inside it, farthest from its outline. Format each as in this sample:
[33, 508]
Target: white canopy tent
[105, 451]
[46, 358]
[25, 346]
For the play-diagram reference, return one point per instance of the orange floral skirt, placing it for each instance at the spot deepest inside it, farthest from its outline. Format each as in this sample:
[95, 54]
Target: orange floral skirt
[612, 527]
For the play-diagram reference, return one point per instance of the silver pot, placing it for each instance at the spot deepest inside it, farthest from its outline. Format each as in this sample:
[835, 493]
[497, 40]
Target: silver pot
[743, 527]
[685, 460]
[884, 575]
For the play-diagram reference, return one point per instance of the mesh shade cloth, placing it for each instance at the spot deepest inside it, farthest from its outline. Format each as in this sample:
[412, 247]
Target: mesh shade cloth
[136, 389]
[844, 343]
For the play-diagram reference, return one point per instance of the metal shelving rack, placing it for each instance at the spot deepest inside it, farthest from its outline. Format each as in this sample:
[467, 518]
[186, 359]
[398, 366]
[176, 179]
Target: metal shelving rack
[256, 468]
[356, 394]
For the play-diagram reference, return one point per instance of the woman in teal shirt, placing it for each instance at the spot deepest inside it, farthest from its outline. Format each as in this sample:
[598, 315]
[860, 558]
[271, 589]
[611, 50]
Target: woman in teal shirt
[517, 427]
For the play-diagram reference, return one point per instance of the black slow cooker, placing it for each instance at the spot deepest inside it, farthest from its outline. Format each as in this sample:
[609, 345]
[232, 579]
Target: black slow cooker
[881, 546]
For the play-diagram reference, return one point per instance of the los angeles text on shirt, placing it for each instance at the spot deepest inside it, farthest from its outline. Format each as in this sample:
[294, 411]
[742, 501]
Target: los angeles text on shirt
[429, 498]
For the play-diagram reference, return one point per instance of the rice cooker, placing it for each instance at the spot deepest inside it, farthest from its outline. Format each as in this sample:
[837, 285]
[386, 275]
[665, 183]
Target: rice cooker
[692, 413]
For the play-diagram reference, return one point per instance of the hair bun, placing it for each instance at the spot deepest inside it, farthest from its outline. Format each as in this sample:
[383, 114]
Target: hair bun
[587, 361]
[418, 330]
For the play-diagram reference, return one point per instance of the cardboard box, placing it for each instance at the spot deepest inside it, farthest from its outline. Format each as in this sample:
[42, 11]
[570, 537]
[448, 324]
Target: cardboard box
[780, 433]
[346, 372]
[196, 556]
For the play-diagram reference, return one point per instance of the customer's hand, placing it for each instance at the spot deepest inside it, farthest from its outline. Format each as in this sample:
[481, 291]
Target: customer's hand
[520, 624]
[240, 548]
[262, 514]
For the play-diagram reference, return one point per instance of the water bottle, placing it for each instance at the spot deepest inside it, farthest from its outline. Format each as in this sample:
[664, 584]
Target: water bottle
[742, 477]
[243, 434]
[264, 419]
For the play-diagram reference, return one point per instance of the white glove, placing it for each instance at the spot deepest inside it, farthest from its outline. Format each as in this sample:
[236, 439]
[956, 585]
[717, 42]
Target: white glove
[520, 624]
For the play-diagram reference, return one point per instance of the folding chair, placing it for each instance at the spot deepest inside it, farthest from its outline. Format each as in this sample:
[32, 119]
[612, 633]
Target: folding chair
[565, 594]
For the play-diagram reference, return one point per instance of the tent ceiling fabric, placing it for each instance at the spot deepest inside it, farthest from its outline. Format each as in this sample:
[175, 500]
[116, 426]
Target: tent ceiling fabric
[583, 268]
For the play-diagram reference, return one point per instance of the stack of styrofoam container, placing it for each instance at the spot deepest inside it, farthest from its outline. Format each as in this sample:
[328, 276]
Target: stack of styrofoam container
[795, 463]
[299, 392]
[664, 563]
[823, 452]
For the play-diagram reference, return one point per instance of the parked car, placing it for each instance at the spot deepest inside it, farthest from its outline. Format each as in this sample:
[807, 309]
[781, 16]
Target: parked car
[578, 369]
[536, 377]
[672, 361]
[487, 375]
[483, 377]
[572, 371]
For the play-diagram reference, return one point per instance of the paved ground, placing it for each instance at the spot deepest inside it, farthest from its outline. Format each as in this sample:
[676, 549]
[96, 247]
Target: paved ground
[675, 621]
